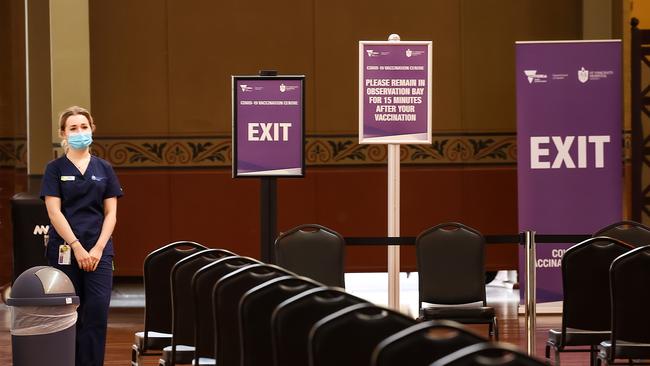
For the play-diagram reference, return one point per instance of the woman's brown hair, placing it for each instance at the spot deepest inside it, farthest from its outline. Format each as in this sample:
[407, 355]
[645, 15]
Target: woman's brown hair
[71, 111]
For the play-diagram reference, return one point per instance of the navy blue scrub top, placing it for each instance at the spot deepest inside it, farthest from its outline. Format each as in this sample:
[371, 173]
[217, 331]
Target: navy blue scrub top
[82, 198]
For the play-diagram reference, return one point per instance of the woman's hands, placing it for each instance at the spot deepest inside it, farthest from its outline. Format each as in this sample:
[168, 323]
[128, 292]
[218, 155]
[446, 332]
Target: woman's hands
[87, 261]
[96, 254]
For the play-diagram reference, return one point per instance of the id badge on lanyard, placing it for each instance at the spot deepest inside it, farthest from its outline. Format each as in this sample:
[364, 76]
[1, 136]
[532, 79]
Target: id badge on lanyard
[64, 254]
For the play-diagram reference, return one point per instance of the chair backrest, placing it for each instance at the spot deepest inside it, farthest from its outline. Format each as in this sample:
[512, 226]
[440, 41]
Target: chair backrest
[313, 251]
[630, 281]
[226, 296]
[157, 291]
[423, 343]
[293, 319]
[255, 310]
[585, 282]
[202, 284]
[450, 263]
[631, 232]
[488, 354]
[182, 296]
[349, 336]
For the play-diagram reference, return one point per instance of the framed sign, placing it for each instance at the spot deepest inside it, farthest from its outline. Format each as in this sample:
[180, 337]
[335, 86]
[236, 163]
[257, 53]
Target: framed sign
[268, 117]
[395, 92]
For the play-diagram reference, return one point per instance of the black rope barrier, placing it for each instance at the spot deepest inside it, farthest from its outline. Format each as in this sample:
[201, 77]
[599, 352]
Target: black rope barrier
[489, 239]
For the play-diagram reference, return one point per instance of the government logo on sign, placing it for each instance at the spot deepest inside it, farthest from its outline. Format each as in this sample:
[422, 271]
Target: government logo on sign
[534, 77]
[583, 75]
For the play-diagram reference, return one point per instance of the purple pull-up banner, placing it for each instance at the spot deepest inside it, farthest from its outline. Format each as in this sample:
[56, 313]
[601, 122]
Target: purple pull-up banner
[569, 158]
[268, 126]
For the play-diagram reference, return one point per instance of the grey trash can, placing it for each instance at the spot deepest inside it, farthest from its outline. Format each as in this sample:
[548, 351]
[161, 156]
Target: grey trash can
[43, 318]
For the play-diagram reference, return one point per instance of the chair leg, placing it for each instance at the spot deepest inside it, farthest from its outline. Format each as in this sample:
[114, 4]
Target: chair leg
[592, 355]
[547, 351]
[495, 327]
[557, 356]
[134, 355]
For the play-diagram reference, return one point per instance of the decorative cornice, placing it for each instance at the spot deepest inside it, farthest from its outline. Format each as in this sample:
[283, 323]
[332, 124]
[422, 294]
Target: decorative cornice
[320, 150]
[13, 153]
[445, 149]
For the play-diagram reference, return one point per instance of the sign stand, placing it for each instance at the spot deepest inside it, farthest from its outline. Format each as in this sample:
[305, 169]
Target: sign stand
[268, 140]
[268, 207]
[395, 109]
[393, 216]
[268, 217]
[393, 224]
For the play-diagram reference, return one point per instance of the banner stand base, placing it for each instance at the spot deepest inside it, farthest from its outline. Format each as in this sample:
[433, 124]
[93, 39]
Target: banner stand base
[544, 308]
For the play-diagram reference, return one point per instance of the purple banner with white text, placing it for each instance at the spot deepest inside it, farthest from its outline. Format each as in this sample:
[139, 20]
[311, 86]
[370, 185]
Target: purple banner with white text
[268, 126]
[569, 157]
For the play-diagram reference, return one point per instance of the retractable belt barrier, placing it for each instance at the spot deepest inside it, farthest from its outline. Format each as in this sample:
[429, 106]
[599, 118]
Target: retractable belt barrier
[526, 238]
[489, 239]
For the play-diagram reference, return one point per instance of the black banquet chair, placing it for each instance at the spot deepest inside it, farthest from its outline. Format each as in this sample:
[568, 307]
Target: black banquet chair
[255, 311]
[630, 232]
[423, 343]
[586, 306]
[226, 295]
[349, 336]
[451, 271]
[488, 354]
[293, 319]
[313, 251]
[157, 333]
[182, 348]
[202, 284]
[630, 296]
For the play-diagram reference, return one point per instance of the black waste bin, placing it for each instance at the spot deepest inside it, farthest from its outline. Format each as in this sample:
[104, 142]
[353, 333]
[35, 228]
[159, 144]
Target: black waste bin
[30, 225]
[43, 318]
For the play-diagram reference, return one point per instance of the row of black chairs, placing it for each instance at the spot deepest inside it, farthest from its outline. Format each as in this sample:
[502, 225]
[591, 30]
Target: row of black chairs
[450, 251]
[606, 284]
[234, 310]
[211, 292]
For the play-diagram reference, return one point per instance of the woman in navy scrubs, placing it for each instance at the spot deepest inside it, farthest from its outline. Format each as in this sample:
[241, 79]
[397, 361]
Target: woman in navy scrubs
[80, 192]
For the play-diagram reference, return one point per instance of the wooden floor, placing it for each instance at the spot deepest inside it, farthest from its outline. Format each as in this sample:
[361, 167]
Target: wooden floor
[123, 322]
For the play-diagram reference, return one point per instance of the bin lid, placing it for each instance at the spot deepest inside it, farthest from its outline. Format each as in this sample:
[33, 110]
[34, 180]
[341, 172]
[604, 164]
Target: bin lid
[26, 198]
[42, 285]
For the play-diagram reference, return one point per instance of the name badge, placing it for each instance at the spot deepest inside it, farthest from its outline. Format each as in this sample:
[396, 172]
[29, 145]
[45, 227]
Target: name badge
[67, 178]
[64, 254]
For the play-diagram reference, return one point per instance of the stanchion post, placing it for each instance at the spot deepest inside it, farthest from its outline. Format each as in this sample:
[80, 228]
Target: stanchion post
[530, 295]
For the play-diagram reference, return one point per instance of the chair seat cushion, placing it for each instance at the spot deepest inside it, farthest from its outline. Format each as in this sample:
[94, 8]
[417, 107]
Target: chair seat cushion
[184, 354]
[577, 337]
[155, 340]
[461, 314]
[205, 361]
[624, 350]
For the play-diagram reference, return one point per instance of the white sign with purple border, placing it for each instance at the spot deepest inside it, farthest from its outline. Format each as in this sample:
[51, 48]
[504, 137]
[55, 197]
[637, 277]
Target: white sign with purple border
[395, 92]
[268, 126]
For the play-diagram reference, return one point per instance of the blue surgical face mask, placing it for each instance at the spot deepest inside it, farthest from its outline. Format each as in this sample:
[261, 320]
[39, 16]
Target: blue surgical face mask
[79, 141]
